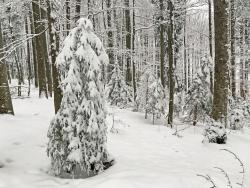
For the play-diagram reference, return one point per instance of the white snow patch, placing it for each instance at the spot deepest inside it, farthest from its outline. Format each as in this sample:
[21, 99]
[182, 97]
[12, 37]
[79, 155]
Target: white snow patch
[146, 156]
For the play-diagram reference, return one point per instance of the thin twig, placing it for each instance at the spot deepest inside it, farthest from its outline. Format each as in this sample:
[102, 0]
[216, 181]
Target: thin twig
[241, 165]
[209, 179]
[226, 175]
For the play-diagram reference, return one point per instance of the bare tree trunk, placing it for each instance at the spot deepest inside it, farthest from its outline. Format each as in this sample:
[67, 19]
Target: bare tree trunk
[128, 42]
[78, 10]
[221, 82]
[247, 60]
[133, 52]
[67, 6]
[6, 106]
[242, 61]
[54, 49]
[195, 115]
[19, 92]
[45, 50]
[185, 53]
[232, 45]
[28, 55]
[162, 45]
[110, 38]
[171, 63]
[39, 49]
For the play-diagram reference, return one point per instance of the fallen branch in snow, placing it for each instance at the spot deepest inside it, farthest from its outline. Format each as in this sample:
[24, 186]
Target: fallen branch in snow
[241, 165]
[226, 175]
[209, 179]
[229, 184]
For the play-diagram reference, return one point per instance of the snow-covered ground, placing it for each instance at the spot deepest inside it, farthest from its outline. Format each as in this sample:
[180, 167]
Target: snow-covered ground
[146, 155]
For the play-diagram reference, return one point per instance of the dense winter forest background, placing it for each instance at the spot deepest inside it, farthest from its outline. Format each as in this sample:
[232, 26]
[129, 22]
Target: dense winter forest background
[84, 76]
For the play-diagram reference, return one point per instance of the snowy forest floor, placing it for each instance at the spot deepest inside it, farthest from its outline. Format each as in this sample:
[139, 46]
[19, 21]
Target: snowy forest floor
[146, 155]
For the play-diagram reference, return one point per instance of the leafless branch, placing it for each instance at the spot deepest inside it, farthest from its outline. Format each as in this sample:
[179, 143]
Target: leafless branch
[226, 175]
[241, 184]
[209, 179]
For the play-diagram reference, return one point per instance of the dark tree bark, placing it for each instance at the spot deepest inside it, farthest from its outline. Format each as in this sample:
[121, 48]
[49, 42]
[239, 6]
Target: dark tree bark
[242, 59]
[45, 48]
[5, 98]
[54, 49]
[185, 53]
[232, 45]
[221, 79]
[171, 63]
[247, 60]
[133, 51]
[162, 45]
[78, 9]
[28, 55]
[128, 42]
[39, 49]
[67, 7]
[110, 50]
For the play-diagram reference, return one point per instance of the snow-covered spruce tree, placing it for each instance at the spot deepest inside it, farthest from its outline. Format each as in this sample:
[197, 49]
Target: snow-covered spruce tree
[155, 102]
[77, 134]
[199, 98]
[118, 92]
[215, 132]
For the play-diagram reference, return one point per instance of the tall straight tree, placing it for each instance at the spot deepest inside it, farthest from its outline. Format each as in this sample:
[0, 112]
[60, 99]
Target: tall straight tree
[185, 49]
[242, 60]
[162, 44]
[247, 60]
[128, 42]
[28, 53]
[171, 62]
[110, 50]
[221, 77]
[78, 10]
[45, 46]
[54, 49]
[232, 47]
[133, 51]
[5, 98]
[39, 29]
[67, 7]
